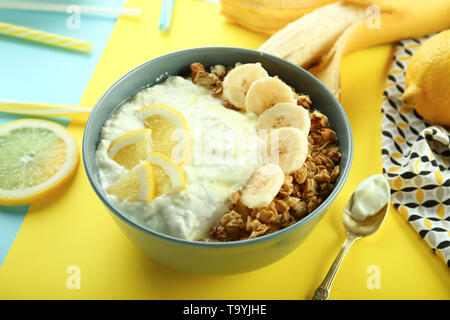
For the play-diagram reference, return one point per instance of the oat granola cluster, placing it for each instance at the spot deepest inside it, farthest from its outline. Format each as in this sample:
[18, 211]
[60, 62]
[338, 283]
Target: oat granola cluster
[212, 79]
[302, 191]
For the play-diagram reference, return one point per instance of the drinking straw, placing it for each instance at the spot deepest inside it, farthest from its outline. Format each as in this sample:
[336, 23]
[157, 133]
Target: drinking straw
[166, 15]
[43, 109]
[44, 37]
[55, 7]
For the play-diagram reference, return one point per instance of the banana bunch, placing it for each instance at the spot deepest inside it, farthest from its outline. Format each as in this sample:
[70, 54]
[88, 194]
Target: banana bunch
[318, 40]
[267, 16]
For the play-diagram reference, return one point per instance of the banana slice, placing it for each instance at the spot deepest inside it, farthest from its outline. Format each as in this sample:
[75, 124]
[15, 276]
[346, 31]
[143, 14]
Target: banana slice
[285, 115]
[266, 92]
[263, 186]
[237, 81]
[287, 147]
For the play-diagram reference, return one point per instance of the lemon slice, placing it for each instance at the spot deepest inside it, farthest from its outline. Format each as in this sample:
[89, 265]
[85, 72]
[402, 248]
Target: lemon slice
[37, 157]
[170, 132]
[131, 148]
[169, 176]
[136, 185]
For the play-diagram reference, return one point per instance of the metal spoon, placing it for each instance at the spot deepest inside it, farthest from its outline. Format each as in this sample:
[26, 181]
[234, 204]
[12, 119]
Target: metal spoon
[355, 230]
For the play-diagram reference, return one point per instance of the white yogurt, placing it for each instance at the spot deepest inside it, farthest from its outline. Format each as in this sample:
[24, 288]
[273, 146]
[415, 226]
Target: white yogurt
[211, 177]
[369, 197]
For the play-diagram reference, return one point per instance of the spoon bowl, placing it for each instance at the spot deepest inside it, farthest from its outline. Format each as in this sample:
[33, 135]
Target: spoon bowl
[364, 227]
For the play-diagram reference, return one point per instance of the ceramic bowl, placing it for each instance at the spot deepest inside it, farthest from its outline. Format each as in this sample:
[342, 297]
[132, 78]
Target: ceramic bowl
[216, 257]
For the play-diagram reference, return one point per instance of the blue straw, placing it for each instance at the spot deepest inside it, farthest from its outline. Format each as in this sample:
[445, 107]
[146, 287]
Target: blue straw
[166, 15]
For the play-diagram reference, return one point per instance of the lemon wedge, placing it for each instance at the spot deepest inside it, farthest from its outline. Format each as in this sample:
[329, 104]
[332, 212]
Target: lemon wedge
[137, 185]
[131, 148]
[37, 157]
[170, 132]
[169, 176]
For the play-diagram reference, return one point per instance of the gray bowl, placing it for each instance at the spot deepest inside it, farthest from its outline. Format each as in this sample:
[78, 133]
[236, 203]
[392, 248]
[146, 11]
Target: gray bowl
[227, 257]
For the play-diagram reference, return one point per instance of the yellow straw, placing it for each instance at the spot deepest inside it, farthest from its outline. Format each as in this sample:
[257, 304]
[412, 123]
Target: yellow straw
[44, 109]
[45, 37]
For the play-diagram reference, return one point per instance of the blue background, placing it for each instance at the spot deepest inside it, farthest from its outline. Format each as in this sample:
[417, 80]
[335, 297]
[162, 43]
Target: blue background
[40, 73]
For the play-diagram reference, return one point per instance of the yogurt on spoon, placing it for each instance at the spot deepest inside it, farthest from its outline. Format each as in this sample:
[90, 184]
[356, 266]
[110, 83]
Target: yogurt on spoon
[369, 197]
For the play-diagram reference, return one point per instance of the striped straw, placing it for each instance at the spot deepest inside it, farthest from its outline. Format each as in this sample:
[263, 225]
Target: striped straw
[43, 109]
[56, 7]
[166, 15]
[45, 37]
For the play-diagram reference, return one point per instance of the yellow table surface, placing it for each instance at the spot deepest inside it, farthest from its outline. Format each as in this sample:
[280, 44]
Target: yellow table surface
[76, 228]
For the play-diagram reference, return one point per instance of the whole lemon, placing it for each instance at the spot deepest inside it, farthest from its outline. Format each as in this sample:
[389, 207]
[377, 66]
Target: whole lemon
[427, 80]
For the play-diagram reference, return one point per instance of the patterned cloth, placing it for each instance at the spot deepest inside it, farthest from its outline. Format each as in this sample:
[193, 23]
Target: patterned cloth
[416, 159]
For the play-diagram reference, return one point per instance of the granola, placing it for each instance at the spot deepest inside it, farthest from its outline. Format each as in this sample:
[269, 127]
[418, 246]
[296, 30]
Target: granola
[302, 191]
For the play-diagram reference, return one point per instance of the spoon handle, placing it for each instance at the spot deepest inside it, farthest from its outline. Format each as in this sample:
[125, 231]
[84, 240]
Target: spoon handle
[323, 291]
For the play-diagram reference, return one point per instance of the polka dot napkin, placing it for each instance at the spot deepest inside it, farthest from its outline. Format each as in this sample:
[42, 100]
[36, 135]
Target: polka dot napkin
[416, 159]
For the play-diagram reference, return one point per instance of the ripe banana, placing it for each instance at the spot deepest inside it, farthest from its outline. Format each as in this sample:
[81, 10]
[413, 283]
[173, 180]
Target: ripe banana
[397, 20]
[285, 115]
[304, 41]
[288, 147]
[267, 16]
[266, 92]
[237, 81]
[262, 187]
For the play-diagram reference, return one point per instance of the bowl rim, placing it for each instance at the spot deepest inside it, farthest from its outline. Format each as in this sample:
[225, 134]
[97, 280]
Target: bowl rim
[229, 244]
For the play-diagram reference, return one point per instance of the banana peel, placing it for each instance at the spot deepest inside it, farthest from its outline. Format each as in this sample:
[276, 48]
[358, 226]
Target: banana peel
[267, 16]
[305, 41]
[397, 20]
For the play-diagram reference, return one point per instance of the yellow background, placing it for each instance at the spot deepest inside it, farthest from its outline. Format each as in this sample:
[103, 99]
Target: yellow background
[76, 228]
